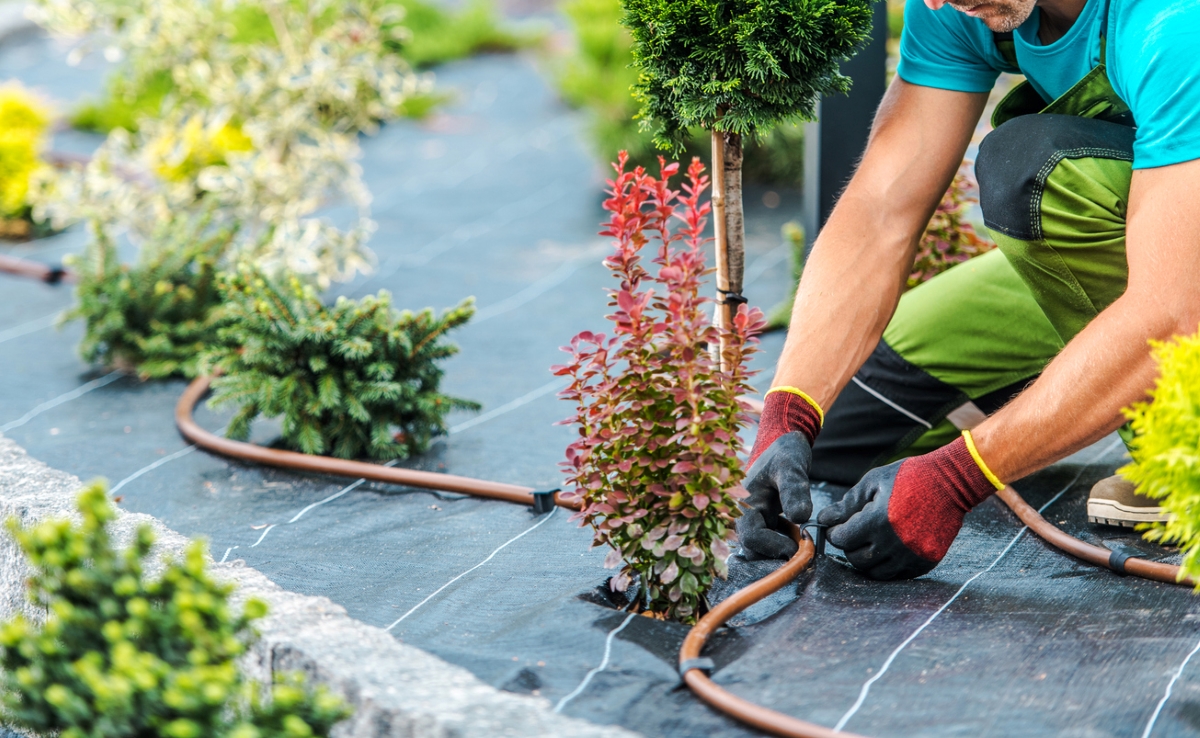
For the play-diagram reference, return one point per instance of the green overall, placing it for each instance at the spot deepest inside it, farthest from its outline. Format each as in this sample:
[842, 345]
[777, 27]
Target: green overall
[1054, 184]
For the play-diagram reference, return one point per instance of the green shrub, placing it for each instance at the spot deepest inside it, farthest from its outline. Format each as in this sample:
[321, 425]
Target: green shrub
[121, 655]
[598, 77]
[155, 317]
[949, 238]
[780, 316]
[344, 378]
[433, 36]
[1166, 447]
[24, 121]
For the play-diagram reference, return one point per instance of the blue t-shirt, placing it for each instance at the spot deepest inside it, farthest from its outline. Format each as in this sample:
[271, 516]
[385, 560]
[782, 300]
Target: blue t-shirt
[1153, 63]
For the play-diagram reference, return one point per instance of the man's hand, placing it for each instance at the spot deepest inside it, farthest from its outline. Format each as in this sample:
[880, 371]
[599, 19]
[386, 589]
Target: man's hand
[899, 520]
[778, 477]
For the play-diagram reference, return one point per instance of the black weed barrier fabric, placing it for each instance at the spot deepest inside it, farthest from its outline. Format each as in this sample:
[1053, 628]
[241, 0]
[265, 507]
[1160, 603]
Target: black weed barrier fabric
[498, 197]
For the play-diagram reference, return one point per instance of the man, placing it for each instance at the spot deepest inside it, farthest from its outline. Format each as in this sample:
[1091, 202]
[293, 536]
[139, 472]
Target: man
[1090, 185]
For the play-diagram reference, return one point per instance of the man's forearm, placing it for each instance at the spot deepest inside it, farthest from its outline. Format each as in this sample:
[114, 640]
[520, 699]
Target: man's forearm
[852, 281]
[1079, 398]
[862, 257]
[1108, 366]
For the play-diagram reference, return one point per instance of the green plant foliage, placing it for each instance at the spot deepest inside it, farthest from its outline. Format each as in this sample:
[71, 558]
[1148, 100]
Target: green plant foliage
[355, 379]
[949, 238]
[124, 656]
[155, 317]
[739, 65]
[439, 36]
[432, 36]
[598, 76]
[124, 103]
[24, 121]
[1166, 448]
[780, 316]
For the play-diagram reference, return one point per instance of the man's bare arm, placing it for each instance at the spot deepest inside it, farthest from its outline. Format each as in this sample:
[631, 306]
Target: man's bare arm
[860, 262]
[1078, 399]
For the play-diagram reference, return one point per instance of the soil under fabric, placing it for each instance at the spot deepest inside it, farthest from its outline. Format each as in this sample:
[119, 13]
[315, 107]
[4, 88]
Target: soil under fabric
[498, 197]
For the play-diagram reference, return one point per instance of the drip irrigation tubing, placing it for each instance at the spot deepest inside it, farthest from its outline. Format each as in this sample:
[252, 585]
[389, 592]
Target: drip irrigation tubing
[692, 665]
[541, 501]
[35, 269]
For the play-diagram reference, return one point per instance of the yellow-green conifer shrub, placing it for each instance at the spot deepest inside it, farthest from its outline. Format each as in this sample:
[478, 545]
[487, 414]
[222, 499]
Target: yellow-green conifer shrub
[23, 123]
[1166, 447]
[121, 655]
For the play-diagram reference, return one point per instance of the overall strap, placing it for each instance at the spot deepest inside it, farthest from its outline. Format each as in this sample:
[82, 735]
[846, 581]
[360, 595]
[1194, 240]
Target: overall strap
[1008, 47]
[1104, 31]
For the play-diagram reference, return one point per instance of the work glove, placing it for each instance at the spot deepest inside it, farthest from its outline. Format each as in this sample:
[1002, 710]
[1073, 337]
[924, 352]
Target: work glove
[778, 477]
[900, 519]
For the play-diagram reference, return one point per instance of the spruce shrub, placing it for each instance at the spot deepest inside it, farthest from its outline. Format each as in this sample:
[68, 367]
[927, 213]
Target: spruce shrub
[356, 379]
[1166, 447]
[121, 655]
[656, 462]
[155, 317]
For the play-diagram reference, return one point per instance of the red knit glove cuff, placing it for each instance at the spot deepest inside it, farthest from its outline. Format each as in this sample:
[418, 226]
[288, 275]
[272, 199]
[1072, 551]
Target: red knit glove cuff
[931, 495]
[784, 412]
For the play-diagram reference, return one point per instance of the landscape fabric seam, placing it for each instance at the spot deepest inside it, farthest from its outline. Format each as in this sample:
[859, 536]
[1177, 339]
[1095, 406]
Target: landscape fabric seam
[491, 556]
[28, 327]
[866, 687]
[608, 641]
[63, 398]
[1167, 694]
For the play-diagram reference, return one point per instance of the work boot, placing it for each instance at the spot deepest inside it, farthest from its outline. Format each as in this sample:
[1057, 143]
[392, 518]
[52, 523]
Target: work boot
[1115, 501]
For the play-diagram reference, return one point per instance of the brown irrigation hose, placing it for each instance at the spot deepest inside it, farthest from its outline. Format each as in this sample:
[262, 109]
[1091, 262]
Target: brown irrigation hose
[342, 467]
[746, 711]
[1097, 555]
[35, 269]
[690, 662]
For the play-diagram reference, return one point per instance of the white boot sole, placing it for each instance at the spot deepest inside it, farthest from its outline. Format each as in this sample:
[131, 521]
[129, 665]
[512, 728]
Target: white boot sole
[1109, 512]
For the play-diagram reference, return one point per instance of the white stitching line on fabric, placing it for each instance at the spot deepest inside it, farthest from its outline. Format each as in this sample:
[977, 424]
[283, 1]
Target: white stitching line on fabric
[603, 663]
[152, 466]
[866, 687]
[1039, 182]
[891, 404]
[28, 327]
[491, 556]
[1167, 695]
[63, 398]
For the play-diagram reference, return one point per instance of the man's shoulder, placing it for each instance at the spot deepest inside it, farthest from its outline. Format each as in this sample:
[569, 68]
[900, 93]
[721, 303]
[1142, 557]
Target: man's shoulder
[947, 49]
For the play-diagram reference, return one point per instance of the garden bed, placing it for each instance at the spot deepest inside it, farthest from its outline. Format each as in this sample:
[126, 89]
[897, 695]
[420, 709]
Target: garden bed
[497, 196]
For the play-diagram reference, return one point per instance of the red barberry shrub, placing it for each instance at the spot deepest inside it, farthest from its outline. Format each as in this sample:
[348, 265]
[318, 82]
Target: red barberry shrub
[950, 238]
[656, 463]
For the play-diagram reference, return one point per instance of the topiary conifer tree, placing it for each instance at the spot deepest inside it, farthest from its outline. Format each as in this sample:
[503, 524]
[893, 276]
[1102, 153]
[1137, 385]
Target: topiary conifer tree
[153, 317]
[737, 67]
[356, 379]
[121, 655]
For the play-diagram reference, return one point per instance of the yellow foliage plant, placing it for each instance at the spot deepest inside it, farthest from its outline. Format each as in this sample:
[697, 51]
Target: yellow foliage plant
[1166, 447]
[23, 123]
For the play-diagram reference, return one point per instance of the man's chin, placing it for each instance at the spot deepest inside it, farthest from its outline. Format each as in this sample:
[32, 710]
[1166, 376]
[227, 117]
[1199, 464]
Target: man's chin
[996, 19]
[1002, 23]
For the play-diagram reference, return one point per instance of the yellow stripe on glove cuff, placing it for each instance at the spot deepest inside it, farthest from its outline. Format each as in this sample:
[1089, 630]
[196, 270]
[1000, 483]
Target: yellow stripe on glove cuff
[983, 467]
[803, 396]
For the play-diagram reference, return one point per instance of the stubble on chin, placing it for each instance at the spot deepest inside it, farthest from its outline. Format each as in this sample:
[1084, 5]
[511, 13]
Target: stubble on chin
[998, 17]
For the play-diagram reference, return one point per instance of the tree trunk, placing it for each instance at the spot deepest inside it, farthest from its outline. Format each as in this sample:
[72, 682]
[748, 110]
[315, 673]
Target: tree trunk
[729, 228]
